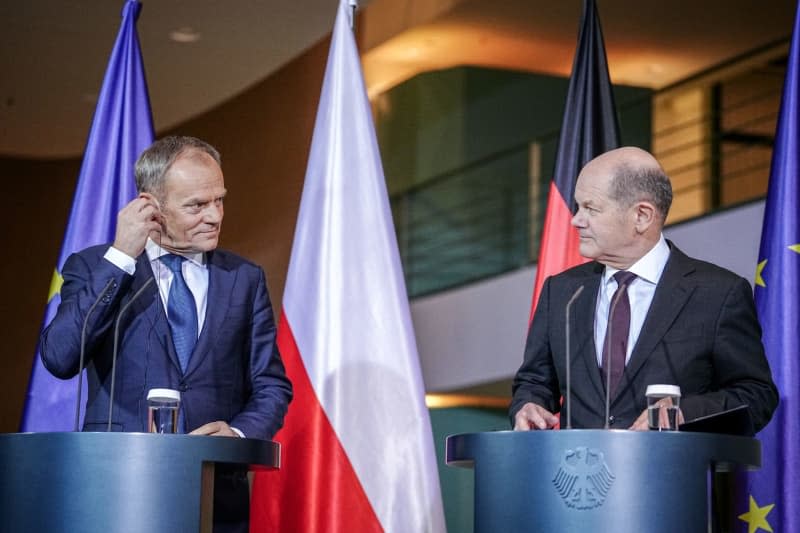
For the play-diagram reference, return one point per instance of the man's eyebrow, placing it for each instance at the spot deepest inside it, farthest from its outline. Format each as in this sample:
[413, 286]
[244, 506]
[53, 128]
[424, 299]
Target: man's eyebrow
[193, 200]
[202, 199]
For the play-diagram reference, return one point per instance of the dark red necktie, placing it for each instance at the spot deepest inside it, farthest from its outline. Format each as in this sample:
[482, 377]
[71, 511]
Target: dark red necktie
[619, 323]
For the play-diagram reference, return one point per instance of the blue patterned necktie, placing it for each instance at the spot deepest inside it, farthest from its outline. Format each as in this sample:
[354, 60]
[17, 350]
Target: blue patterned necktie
[181, 311]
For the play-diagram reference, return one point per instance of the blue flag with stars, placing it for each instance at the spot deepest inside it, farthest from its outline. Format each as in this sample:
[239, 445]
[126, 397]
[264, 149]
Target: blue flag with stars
[122, 127]
[774, 491]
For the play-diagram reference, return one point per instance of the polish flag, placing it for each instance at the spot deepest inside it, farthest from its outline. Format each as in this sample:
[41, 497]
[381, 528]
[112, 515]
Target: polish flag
[357, 447]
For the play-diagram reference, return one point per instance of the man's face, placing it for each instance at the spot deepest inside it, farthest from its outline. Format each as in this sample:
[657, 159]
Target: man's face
[606, 228]
[191, 204]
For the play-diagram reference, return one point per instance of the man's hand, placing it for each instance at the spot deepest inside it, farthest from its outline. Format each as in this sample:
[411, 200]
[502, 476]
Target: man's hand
[533, 416]
[135, 222]
[641, 423]
[215, 429]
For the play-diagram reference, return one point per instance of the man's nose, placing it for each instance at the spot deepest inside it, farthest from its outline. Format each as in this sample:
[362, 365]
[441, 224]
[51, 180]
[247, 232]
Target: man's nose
[214, 213]
[577, 219]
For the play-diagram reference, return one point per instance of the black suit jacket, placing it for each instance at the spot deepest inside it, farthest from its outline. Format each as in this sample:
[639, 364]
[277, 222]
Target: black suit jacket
[701, 333]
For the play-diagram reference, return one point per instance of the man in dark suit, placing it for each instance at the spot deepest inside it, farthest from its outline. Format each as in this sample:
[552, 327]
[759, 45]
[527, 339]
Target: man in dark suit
[676, 320]
[218, 349]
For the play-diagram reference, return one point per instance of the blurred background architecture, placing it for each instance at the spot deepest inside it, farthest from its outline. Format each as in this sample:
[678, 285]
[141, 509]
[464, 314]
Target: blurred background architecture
[467, 98]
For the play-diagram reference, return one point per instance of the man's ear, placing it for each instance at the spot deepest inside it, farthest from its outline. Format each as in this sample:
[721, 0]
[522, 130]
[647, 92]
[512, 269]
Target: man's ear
[645, 214]
[151, 197]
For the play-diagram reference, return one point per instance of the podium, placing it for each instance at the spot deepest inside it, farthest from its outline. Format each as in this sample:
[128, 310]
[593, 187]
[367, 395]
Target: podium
[597, 480]
[108, 482]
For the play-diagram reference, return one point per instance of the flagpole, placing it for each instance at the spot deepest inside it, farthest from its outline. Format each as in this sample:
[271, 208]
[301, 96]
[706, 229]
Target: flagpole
[353, 7]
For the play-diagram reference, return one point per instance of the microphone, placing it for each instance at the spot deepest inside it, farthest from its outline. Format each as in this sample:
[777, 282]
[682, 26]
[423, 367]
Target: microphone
[569, 374]
[620, 292]
[116, 341]
[83, 351]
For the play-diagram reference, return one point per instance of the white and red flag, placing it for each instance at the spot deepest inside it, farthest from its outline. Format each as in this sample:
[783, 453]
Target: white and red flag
[358, 451]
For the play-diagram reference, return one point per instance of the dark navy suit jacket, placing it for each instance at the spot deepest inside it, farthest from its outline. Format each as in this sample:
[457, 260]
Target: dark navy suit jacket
[235, 373]
[700, 333]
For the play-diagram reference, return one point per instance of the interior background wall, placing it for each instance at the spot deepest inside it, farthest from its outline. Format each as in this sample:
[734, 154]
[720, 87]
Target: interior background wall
[263, 134]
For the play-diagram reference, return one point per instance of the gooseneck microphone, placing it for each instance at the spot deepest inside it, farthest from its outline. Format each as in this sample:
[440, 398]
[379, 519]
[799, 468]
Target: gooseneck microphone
[83, 352]
[567, 355]
[116, 341]
[620, 292]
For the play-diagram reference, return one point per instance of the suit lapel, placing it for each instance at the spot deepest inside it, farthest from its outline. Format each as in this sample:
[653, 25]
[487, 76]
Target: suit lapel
[145, 302]
[584, 326]
[220, 286]
[672, 293]
[151, 306]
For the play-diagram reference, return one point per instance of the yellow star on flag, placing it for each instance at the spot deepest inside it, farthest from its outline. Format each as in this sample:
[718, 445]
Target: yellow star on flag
[756, 517]
[760, 267]
[759, 270]
[55, 285]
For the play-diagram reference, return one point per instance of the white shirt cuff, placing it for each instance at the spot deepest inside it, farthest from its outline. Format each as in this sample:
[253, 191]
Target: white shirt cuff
[121, 260]
[238, 432]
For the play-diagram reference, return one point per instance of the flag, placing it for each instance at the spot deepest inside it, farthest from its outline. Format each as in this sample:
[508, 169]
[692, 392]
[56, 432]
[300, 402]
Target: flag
[774, 491]
[588, 129]
[357, 446]
[122, 127]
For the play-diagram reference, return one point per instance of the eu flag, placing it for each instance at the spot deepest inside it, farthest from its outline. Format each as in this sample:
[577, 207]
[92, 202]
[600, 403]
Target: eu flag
[774, 491]
[122, 127]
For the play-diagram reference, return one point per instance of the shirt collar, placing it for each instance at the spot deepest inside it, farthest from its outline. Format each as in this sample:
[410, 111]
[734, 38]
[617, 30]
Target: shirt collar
[649, 267]
[154, 252]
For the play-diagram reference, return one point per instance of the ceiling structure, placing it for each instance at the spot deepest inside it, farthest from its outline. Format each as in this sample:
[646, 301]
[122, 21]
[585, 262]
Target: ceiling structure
[199, 53]
[648, 43]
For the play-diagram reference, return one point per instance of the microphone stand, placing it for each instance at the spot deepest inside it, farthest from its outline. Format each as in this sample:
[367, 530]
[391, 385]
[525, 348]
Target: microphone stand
[116, 341]
[83, 352]
[569, 373]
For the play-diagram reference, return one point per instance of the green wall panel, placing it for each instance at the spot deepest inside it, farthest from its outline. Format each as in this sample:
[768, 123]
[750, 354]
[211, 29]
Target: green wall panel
[457, 483]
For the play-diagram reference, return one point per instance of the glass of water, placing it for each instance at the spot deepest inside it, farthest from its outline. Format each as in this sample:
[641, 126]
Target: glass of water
[663, 407]
[162, 410]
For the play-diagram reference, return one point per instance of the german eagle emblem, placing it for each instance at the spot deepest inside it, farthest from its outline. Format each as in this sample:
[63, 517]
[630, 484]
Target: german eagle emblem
[583, 478]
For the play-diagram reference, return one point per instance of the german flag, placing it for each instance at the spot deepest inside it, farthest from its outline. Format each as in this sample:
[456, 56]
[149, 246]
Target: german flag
[588, 129]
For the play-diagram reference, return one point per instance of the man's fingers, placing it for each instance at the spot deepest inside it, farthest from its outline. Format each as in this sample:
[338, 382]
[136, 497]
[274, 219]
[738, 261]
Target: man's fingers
[538, 421]
[640, 424]
[214, 429]
[521, 423]
[533, 416]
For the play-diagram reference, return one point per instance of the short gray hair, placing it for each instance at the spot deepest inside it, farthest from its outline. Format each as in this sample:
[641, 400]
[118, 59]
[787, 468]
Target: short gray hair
[632, 184]
[156, 160]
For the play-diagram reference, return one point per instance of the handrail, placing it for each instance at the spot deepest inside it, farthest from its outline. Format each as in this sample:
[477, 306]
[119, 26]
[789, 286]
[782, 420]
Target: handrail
[480, 219]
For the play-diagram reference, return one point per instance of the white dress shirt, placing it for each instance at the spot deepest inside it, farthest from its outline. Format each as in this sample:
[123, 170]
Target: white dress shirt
[641, 290]
[194, 270]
